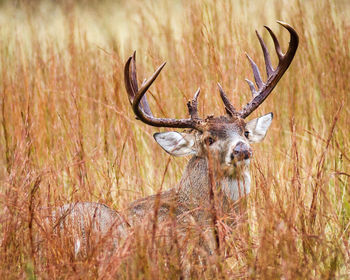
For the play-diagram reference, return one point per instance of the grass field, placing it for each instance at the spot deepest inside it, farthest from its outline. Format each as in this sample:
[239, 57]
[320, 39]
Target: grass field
[67, 132]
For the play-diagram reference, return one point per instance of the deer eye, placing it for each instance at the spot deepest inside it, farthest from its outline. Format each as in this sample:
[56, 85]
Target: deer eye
[209, 140]
[246, 134]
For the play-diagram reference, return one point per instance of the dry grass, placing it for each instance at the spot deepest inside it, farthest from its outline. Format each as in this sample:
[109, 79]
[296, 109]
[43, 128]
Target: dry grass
[67, 132]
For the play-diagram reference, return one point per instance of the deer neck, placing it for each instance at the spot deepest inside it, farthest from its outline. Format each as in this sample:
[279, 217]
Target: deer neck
[194, 186]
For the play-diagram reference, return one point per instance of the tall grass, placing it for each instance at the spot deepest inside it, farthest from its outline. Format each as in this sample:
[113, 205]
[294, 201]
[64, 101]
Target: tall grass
[67, 132]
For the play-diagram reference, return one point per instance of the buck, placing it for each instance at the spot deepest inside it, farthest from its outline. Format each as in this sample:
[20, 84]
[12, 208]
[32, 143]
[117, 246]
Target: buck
[219, 146]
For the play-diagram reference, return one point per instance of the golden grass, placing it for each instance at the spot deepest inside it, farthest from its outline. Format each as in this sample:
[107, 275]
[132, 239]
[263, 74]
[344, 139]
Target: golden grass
[67, 132]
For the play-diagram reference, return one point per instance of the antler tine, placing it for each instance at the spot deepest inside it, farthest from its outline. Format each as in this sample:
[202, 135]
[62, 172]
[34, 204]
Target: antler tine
[252, 87]
[192, 106]
[268, 64]
[144, 102]
[228, 106]
[129, 80]
[275, 42]
[273, 76]
[256, 72]
[143, 111]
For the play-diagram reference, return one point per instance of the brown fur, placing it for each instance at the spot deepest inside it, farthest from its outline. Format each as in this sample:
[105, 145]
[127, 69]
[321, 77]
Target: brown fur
[190, 201]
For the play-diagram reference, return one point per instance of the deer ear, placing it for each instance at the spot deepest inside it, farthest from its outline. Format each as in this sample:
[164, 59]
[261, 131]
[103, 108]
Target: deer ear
[258, 127]
[175, 143]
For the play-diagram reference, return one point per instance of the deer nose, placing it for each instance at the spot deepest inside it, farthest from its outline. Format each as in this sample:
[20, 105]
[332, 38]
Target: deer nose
[241, 151]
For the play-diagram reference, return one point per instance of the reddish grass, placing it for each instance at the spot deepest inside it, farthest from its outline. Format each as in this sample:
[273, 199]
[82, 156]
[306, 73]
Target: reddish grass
[67, 133]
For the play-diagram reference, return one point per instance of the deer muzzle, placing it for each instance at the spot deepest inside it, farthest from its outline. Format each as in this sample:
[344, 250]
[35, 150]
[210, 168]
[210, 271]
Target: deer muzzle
[241, 151]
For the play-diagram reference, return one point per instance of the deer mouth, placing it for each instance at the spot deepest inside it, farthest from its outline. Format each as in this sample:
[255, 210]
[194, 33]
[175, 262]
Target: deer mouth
[235, 169]
[241, 162]
[236, 166]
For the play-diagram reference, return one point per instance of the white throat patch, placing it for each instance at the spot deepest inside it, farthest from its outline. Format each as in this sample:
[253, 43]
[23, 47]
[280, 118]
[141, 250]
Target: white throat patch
[236, 188]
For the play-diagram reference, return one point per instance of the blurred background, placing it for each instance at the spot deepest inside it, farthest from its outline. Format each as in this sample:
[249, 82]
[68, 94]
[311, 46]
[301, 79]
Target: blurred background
[67, 132]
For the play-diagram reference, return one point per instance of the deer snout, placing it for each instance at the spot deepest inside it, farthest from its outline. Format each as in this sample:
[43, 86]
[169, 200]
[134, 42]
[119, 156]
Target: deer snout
[241, 151]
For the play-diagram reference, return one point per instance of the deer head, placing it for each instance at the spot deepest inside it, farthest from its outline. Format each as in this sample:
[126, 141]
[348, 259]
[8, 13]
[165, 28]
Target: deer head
[226, 139]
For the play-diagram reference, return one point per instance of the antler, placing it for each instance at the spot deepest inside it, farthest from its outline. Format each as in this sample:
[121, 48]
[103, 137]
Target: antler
[273, 75]
[140, 106]
[143, 112]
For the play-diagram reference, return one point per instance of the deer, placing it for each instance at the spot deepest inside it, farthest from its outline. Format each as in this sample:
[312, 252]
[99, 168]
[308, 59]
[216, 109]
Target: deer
[217, 175]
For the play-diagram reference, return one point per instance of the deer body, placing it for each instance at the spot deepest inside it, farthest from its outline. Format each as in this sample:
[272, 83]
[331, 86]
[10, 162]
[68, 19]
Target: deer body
[192, 192]
[218, 171]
